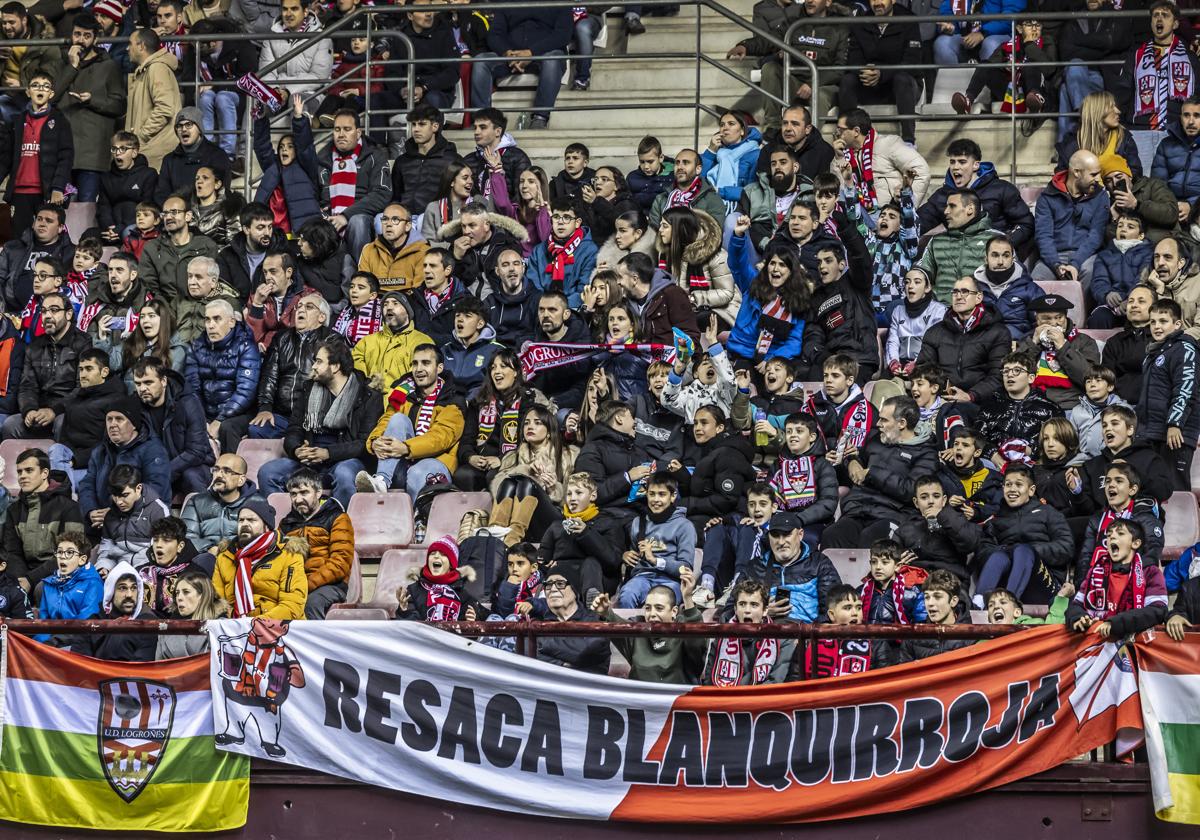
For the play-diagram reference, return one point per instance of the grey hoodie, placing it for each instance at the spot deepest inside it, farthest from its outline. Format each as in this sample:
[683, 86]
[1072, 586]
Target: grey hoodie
[676, 543]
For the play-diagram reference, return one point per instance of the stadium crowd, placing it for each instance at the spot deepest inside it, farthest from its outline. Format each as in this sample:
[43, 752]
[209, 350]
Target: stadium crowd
[681, 384]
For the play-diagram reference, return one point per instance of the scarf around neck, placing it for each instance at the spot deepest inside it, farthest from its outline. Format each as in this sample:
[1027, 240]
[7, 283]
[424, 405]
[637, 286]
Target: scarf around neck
[343, 180]
[587, 514]
[1094, 593]
[686, 196]
[870, 590]
[1159, 76]
[862, 165]
[727, 664]
[399, 399]
[244, 560]
[1049, 372]
[488, 413]
[795, 481]
[560, 255]
[325, 412]
[969, 323]
[356, 324]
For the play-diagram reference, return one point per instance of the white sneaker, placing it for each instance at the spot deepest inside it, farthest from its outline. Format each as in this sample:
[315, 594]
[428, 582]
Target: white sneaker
[365, 482]
[498, 531]
[703, 597]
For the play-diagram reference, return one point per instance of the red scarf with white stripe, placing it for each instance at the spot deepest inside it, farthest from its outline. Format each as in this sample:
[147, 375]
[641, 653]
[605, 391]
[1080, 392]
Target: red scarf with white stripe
[862, 165]
[357, 324]
[727, 664]
[343, 180]
[870, 590]
[1160, 75]
[1094, 593]
[696, 277]
[243, 561]
[1108, 518]
[685, 196]
[795, 481]
[400, 396]
[561, 255]
[775, 309]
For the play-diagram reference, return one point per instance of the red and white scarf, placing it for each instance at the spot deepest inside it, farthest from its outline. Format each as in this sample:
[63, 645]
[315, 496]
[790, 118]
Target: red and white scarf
[1094, 594]
[1160, 75]
[837, 657]
[561, 255]
[776, 310]
[399, 399]
[357, 324]
[1108, 518]
[862, 164]
[442, 602]
[537, 356]
[727, 664]
[436, 300]
[684, 197]
[31, 319]
[795, 481]
[971, 321]
[243, 562]
[343, 180]
[508, 425]
[696, 277]
[869, 591]
[857, 422]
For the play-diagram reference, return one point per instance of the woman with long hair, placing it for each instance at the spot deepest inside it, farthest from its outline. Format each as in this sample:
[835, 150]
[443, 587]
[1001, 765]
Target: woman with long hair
[532, 207]
[601, 387]
[155, 336]
[631, 232]
[1056, 453]
[214, 209]
[531, 480]
[492, 426]
[1100, 132]
[604, 290]
[775, 304]
[730, 160]
[604, 201]
[455, 191]
[291, 178]
[689, 248]
[196, 600]
[624, 326]
[324, 263]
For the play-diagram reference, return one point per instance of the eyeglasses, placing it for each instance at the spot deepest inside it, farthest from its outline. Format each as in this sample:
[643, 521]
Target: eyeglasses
[561, 218]
[53, 310]
[963, 292]
[394, 219]
[117, 150]
[66, 553]
[41, 86]
[555, 585]
[173, 212]
[43, 275]
[226, 471]
[1014, 371]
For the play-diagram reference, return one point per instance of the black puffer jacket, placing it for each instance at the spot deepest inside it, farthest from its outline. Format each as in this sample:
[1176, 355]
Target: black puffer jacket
[1145, 513]
[912, 650]
[1038, 526]
[51, 374]
[27, 544]
[972, 360]
[1051, 480]
[416, 176]
[236, 271]
[83, 421]
[892, 471]
[1002, 418]
[842, 309]
[722, 471]
[180, 424]
[589, 654]
[514, 317]
[326, 275]
[120, 192]
[944, 543]
[1169, 392]
[607, 456]
[600, 216]
[1149, 465]
[602, 541]
[287, 367]
[1124, 354]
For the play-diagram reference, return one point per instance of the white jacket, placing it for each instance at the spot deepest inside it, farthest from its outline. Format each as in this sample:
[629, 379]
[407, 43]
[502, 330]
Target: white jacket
[315, 63]
[684, 400]
[891, 159]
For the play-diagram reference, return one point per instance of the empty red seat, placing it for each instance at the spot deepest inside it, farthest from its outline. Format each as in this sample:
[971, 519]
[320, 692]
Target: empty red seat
[851, 563]
[393, 573]
[258, 452]
[282, 503]
[1182, 528]
[10, 449]
[381, 521]
[1073, 292]
[447, 511]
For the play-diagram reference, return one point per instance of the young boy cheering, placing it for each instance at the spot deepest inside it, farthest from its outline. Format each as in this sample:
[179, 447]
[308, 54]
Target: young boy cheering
[1120, 594]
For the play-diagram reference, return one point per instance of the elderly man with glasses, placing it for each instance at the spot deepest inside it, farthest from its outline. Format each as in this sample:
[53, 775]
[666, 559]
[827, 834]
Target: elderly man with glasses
[396, 254]
[970, 344]
[212, 516]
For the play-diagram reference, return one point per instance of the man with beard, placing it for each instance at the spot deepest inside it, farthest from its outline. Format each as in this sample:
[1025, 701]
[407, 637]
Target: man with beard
[327, 431]
[211, 515]
[796, 132]
[356, 180]
[513, 303]
[95, 89]
[1070, 220]
[1000, 199]
[386, 356]
[563, 385]
[288, 365]
[883, 474]
[1174, 274]
[274, 569]
[959, 250]
[242, 259]
[1007, 286]
[123, 599]
[416, 439]
[204, 285]
[768, 200]
[46, 237]
[50, 377]
[661, 303]
[178, 170]
[395, 255]
[691, 190]
[222, 61]
[477, 237]
[164, 262]
[110, 313]
[323, 524]
[1162, 71]
[272, 305]
[177, 419]
[1125, 353]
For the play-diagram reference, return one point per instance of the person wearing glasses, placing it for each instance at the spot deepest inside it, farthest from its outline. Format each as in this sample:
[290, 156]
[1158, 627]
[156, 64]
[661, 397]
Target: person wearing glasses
[37, 153]
[1012, 421]
[211, 516]
[567, 259]
[396, 254]
[164, 262]
[75, 589]
[969, 344]
[127, 182]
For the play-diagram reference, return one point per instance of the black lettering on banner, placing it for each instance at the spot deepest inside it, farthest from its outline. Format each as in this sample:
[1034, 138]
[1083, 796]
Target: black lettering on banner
[728, 761]
[921, 739]
[637, 770]
[1002, 733]
[1042, 708]
[379, 707]
[545, 740]
[875, 753]
[499, 749]
[968, 716]
[771, 749]
[684, 752]
[421, 733]
[461, 727]
[812, 746]
[339, 690]
[843, 742]
[602, 755]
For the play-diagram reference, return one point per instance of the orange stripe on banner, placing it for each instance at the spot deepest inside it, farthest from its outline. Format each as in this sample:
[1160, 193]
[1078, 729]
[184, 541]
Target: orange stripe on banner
[1156, 651]
[30, 660]
[799, 790]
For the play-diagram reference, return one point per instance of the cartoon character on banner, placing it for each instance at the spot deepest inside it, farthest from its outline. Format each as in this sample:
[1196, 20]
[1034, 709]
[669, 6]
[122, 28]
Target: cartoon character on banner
[257, 673]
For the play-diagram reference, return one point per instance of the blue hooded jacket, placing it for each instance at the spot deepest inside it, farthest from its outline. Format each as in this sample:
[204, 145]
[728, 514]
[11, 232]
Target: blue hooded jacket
[743, 338]
[1119, 272]
[1177, 161]
[804, 582]
[76, 596]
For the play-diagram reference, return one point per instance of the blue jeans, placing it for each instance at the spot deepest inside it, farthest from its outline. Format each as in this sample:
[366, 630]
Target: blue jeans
[219, 111]
[273, 476]
[360, 230]
[484, 74]
[633, 592]
[1078, 81]
[60, 459]
[948, 49]
[87, 184]
[267, 431]
[416, 474]
[585, 34]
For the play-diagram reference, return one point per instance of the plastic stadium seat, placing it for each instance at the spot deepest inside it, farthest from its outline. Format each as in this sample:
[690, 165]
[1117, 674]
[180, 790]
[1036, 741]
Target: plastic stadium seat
[1195, 482]
[1182, 529]
[257, 453]
[949, 81]
[81, 215]
[1071, 291]
[9, 450]
[1102, 336]
[1030, 195]
[381, 521]
[851, 563]
[282, 503]
[447, 511]
[393, 573]
[354, 586]
[343, 612]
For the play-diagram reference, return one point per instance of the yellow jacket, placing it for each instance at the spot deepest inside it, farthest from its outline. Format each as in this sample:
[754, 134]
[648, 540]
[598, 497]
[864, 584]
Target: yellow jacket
[279, 583]
[385, 356]
[445, 431]
[400, 271]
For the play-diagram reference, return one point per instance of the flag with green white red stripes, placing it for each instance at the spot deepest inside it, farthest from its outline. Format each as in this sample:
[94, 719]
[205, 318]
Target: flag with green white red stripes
[1169, 683]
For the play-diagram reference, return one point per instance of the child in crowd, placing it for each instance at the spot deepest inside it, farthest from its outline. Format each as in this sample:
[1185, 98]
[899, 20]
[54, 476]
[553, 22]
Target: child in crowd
[660, 659]
[127, 530]
[826, 190]
[575, 173]
[911, 317]
[87, 272]
[1122, 487]
[77, 589]
[805, 482]
[1027, 545]
[938, 414]
[732, 543]
[889, 595]
[663, 541]
[1186, 612]
[893, 244]
[519, 594]
[1168, 418]
[1117, 270]
[146, 221]
[659, 430]
[941, 603]
[764, 414]
[845, 416]
[1003, 607]
[439, 592]
[655, 173]
[1120, 593]
[838, 657]
[1098, 394]
[734, 661]
[588, 539]
[937, 536]
[1011, 420]
[712, 379]
[168, 558]
[972, 484]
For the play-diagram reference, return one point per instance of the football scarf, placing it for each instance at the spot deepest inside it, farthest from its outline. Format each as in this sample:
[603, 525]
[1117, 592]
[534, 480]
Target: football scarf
[1160, 75]
[1049, 372]
[862, 165]
[508, 425]
[356, 324]
[442, 602]
[436, 300]
[795, 481]
[560, 255]
[773, 315]
[243, 561]
[343, 180]
[836, 657]
[684, 197]
[727, 664]
[537, 356]
[1095, 596]
[870, 590]
[1108, 518]
[697, 279]
[399, 398]
[971, 321]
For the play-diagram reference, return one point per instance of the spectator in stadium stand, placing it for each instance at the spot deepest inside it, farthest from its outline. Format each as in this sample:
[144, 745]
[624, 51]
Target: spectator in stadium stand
[588, 539]
[194, 599]
[324, 525]
[322, 260]
[123, 598]
[423, 158]
[128, 181]
[291, 181]
[1122, 486]
[1174, 273]
[127, 440]
[796, 132]
[41, 511]
[178, 170]
[1011, 420]
[878, 161]
[1167, 408]
[654, 174]
[775, 302]
[216, 209]
[1028, 92]
[666, 659]
[603, 200]
[1163, 72]
[1125, 352]
[223, 366]
[1118, 269]
[530, 483]
[311, 65]
[211, 515]
[1174, 156]
[204, 285]
[1118, 426]
[288, 364]
[1099, 132]
[364, 313]
[942, 601]
[153, 96]
[356, 180]
[557, 322]
[1001, 201]
[614, 459]
[1006, 285]
[222, 61]
[471, 346]
[83, 415]
[125, 532]
[12, 362]
[492, 141]
[95, 97]
[46, 237]
[433, 306]
[20, 66]
[477, 237]
[735, 661]
[961, 42]
[1064, 354]
[729, 160]
[1094, 607]
[50, 374]
[114, 298]
[567, 259]
[769, 199]
[165, 259]
[936, 535]
[1185, 612]
[883, 473]
[395, 256]
[273, 304]
[1148, 197]
[514, 36]
[386, 356]
[689, 244]
[1083, 40]
[582, 653]
[278, 584]
[177, 419]
[512, 306]
[877, 46]
[962, 247]
[797, 576]
[775, 18]
[416, 439]
[691, 190]
[432, 38]
[1070, 218]
[841, 304]
[660, 302]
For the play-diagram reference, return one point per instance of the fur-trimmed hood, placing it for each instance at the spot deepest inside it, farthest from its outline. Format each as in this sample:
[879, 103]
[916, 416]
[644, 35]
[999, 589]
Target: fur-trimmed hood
[611, 254]
[453, 228]
[704, 247]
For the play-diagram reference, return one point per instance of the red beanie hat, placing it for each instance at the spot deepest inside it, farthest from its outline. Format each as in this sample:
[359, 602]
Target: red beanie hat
[447, 546]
